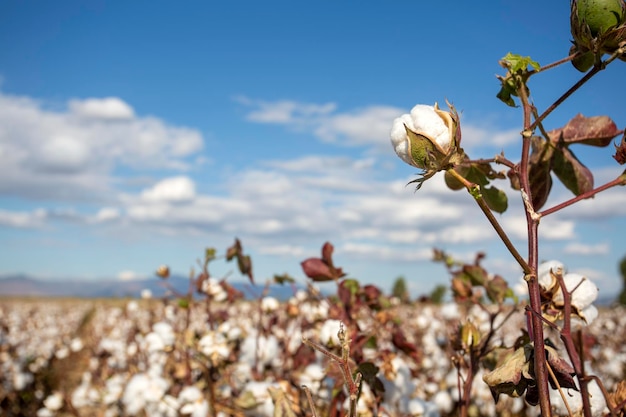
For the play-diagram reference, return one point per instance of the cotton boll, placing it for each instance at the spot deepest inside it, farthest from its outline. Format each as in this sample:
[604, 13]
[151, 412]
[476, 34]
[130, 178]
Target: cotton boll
[269, 304]
[328, 332]
[141, 390]
[45, 412]
[450, 311]
[54, 401]
[215, 346]
[443, 401]
[312, 377]
[113, 389]
[262, 350]
[574, 400]
[165, 332]
[545, 278]
[583, 291]
[259, 389]
[192, 402]
[76, 344]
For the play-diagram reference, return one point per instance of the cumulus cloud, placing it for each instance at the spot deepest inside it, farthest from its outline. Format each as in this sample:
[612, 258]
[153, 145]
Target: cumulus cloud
[110, 108]
[175, 189]
[584, 249]
[73, 153]
[284, 111]
[23, 219]
[366, 126]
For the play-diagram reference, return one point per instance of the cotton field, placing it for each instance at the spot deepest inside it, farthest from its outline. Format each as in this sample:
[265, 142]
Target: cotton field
[223, 357]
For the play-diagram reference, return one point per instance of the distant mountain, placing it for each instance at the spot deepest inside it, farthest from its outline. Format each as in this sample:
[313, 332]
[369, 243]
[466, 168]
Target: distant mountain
[23, 285]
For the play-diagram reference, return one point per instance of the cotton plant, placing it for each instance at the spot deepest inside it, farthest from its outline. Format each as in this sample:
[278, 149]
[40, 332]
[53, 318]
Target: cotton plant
[429, 139]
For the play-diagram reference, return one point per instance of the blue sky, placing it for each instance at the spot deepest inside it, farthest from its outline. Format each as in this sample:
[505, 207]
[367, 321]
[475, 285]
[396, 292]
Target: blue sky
[134, 134]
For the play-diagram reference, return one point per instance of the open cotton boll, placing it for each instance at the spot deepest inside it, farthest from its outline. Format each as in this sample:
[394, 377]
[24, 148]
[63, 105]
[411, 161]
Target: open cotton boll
[545, 278]
[584, 292]
[269, 304]
[328, 332]
[426, 119]
[192, 402]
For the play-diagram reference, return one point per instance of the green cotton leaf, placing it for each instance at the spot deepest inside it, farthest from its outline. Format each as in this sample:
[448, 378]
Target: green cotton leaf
[506, 94]
[209, 254]
[517, 62]
[283, 279]
[496, 199]
[571, 172]
[351, 285]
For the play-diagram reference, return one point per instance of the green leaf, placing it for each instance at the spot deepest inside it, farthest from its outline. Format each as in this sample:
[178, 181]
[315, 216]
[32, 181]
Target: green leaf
[496, 199]
[506, 94]
[284, 278]
[351, 285]
[209, 254]
[517, 62]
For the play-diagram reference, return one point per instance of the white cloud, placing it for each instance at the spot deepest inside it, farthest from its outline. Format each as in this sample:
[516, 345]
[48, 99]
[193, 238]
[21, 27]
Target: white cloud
[476, 137]
[384, 253]
[366, 126]
[107, 214]
[129, 275]
[584, 249]
[284, 111]
[175, 189]
[111, 108]
[283, 250]
[23, 219]
[73, 153]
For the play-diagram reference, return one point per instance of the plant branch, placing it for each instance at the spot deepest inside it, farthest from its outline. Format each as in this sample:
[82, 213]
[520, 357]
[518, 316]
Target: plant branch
[474, 190]
[621, 180]
[534, 293]
[596, 69]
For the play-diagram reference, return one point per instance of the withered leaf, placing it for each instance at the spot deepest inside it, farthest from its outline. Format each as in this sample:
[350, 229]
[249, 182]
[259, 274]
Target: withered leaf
[594, 131]
[475, 274]
[620, 151]
[497, 289]
[561, 368]
[317, 270]
[539, 177]
[572, 173]
[510, 377]
[322, 269]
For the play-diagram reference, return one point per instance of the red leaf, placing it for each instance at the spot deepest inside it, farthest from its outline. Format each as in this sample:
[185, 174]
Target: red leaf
[594, 131]
[317, 270]
[327, 253]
